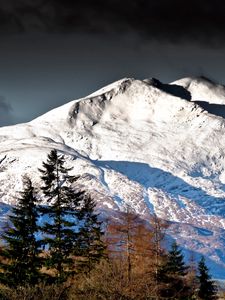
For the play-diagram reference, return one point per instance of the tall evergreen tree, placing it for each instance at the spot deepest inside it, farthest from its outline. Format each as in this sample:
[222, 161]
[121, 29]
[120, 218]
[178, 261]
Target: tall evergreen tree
[62, 210]
[175, 264]
[91, 247]
[21, 252]
[207, 289]
[172, 275]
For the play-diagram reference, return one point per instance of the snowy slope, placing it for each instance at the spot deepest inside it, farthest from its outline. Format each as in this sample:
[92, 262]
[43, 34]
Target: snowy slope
[158, 147]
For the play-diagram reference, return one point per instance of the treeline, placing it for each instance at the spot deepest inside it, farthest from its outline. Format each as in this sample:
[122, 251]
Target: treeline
[60, 251]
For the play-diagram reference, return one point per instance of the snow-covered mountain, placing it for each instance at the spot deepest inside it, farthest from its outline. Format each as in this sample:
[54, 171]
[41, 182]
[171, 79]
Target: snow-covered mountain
[157, 147]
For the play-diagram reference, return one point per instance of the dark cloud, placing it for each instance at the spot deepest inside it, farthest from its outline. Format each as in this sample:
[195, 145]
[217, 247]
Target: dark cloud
[5, 112]
[71, 48]
[40, 72]
[175, 20]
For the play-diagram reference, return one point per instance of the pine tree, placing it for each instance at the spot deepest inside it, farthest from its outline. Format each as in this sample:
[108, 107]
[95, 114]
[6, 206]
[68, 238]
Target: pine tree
[91, 247]
[21, 254]
[175, 264]
[172, 275]
[207, 289]
[60, 233]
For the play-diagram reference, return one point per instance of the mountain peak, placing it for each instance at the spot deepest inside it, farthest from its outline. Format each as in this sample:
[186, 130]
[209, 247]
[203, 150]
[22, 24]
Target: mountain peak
[139, 142]
[203, 89]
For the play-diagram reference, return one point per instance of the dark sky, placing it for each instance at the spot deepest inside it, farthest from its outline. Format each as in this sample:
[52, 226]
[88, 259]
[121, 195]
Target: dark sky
[53, 51]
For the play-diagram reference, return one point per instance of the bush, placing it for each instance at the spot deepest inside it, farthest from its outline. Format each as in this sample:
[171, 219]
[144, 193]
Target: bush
[37, 292]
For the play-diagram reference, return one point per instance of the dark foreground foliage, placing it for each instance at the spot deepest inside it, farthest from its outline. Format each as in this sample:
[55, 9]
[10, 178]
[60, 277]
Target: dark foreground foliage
[22, 261]
[107, 281]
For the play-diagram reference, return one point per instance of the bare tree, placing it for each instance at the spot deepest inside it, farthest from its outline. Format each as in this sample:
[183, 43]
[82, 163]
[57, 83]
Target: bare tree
[121, 238]
[159, 228]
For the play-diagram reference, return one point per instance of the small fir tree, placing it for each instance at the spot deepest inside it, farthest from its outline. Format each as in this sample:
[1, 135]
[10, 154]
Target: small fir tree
[20, 257]
[172, 275]
[207, 289]
[62, 210]
[175, 264]
[91, 247]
